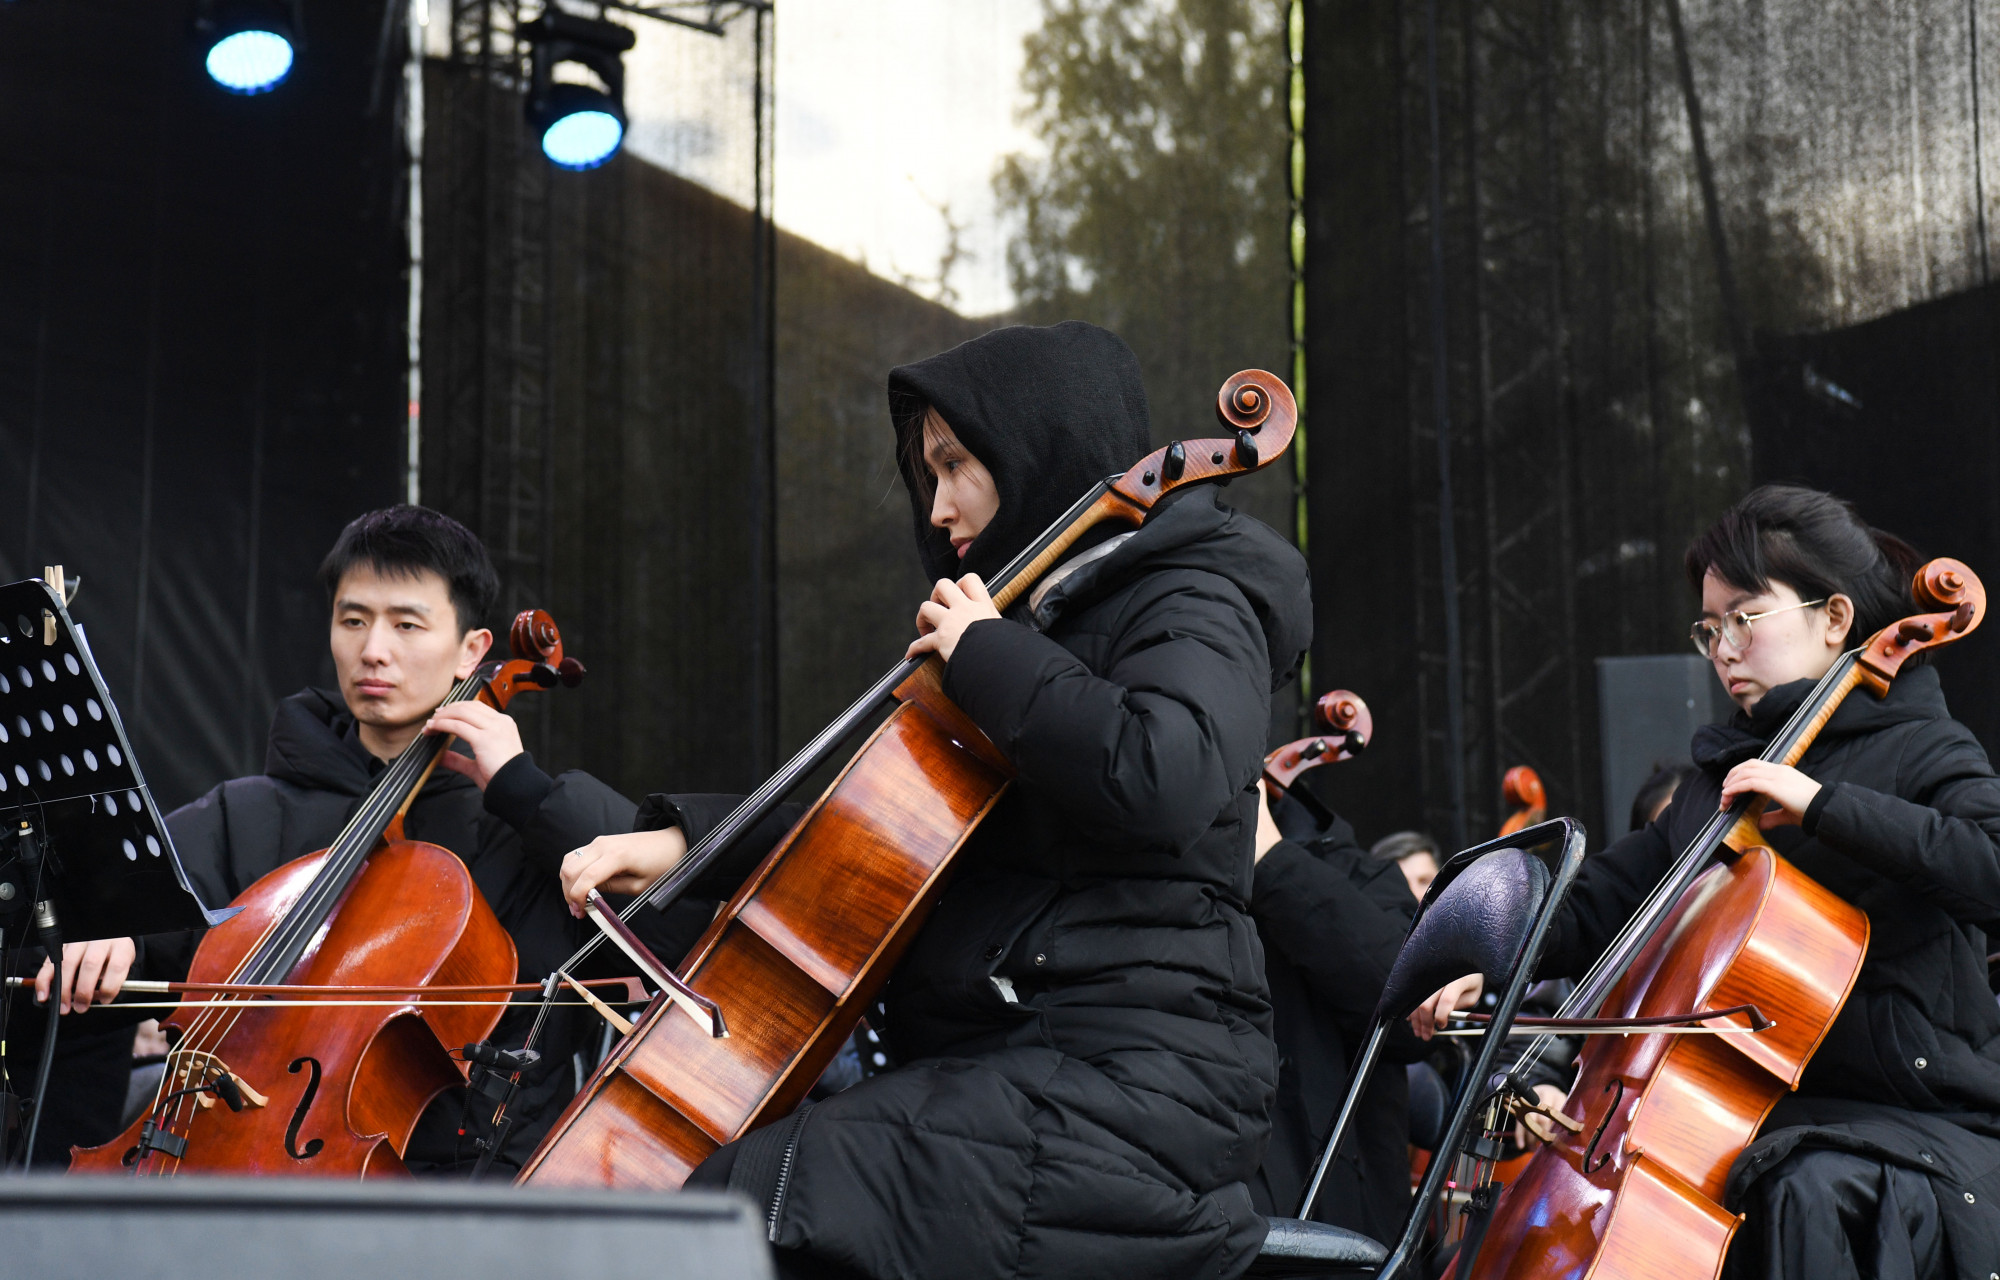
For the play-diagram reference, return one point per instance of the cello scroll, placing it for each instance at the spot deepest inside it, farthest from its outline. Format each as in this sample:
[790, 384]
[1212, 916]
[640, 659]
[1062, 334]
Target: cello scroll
[538, 662]
[1351, 726]
[1258, 409]
[1957, 600]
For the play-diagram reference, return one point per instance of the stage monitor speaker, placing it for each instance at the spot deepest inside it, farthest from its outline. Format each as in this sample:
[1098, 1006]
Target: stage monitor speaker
[1648, 707]
[308, 1229]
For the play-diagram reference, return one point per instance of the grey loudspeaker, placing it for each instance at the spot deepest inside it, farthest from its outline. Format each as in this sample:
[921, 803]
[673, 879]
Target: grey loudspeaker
[206, 1228]
[1648, 707]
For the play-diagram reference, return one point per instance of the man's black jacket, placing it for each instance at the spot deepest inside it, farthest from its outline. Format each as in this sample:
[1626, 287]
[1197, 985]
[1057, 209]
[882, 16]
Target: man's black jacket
[512, 841]
[1332, 920]
[1906, 826]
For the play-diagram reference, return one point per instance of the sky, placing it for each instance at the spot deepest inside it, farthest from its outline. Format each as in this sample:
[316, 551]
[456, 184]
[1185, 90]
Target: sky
[889, 111]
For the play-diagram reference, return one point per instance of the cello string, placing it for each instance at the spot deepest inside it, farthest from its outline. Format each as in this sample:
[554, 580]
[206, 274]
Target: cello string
[211, 1027]
[1679, 876]
[355, 842]
[1692, 860]
[704, 852]
[393, 780]
[1703, 844]
[358, 837]
[214, 1024]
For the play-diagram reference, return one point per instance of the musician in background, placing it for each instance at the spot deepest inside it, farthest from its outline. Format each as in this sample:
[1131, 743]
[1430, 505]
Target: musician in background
[409, 590]
[1886, 1161]
[1415, 854]
[1657, 792]
[1083, 1022]
[1332, 917]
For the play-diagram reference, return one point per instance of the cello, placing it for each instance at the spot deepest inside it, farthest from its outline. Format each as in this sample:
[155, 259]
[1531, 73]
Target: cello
[1522, 788]
[325, 1090]
[1349, 726]
[782, 975]
[1632, 1185]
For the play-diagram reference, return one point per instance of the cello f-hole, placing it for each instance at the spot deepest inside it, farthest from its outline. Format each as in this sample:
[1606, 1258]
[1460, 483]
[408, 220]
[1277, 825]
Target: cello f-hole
[299, 1112]
[1592, 1161]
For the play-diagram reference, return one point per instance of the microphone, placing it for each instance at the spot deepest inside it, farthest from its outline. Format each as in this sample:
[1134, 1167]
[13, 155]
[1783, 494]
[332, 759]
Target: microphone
[225, 1089]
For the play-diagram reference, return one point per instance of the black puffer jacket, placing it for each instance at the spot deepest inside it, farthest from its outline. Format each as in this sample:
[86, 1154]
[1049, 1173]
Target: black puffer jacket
[1332, 920]
[512, 840]
[1907, 827]
[1099, 1110]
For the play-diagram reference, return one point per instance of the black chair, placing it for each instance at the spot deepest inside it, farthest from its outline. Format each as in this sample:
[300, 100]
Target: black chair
[1489, 912]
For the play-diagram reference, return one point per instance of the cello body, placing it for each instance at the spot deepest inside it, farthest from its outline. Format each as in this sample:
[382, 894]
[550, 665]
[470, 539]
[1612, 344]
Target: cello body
[792, 960]
[344, 1086]
[1637, 1193]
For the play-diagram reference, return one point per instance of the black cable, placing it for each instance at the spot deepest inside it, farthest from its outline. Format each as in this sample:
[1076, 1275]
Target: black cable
[151, 1138]
[51, 934]
[32, 855]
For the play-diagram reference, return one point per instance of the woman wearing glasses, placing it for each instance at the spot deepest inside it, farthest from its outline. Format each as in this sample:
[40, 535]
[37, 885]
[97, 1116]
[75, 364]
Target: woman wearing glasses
[1886, 1162]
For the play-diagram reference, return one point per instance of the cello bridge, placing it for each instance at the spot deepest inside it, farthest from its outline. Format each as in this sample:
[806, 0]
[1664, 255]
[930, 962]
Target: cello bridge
[192, 1065]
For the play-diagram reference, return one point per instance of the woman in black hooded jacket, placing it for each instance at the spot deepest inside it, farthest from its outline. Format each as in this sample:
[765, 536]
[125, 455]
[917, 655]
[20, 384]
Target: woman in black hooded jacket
[1083, 1019]
[1886, 1161]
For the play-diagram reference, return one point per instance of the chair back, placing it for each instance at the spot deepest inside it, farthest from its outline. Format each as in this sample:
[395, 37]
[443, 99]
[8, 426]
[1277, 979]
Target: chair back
[1477, 923]
[1488, 911]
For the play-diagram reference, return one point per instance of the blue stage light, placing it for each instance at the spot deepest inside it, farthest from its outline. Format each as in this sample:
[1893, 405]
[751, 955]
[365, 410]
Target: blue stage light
[583, 139]
[251, 61]
[580, 124]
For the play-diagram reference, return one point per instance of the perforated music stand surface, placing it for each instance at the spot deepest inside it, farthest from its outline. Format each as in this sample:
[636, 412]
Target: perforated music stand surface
[67, 767]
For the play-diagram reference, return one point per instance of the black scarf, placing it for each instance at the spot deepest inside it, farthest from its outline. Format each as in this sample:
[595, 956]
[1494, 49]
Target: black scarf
[1048, 411]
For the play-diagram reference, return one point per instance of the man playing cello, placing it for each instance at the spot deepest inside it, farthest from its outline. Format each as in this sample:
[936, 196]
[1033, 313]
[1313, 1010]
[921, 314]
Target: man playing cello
[408, 590]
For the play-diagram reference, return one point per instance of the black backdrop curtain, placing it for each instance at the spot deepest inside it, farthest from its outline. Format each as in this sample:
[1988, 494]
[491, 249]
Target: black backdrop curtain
[201, 352]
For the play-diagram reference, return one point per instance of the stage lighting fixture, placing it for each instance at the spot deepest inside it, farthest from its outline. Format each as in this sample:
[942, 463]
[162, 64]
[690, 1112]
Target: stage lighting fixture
[579, 120]
[248, 45]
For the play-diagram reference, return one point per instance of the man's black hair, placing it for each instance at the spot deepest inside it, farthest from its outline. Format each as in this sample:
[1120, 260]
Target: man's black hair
[1814, 544]
[1659, 786]
[404, 541]
[1405, 844]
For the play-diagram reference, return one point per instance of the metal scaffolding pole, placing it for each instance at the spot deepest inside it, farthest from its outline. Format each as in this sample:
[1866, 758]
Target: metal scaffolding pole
[1502, 687]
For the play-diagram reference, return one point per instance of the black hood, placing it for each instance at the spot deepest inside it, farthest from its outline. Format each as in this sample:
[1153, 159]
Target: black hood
[313, 744]
[1049, 411]
[1193, 529]
[1913, 695]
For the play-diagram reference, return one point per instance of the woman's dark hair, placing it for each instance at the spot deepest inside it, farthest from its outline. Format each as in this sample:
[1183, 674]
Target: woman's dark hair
[1659, 786]
[916, 440]
[404, 541]
[1814, 544]
[1404, 844]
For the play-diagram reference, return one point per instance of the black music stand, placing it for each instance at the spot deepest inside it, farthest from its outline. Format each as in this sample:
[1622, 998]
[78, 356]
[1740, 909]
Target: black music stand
[67, 771]
[83, 851]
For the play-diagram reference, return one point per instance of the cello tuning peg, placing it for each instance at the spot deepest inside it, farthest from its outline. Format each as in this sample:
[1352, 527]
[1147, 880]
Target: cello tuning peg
[571, 673]
[1246, 449]
[1961, 617]
[543, 676]
[1176, 462]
